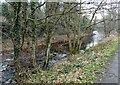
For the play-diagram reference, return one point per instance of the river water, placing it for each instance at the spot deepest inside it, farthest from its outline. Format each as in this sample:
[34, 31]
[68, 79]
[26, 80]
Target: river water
[97, 37]
[7, 72]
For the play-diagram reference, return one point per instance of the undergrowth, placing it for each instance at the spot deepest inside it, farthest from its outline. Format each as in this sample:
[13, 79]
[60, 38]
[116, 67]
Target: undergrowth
[81, 68]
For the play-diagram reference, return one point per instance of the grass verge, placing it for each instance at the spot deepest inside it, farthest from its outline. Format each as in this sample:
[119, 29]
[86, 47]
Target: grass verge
[81, 68]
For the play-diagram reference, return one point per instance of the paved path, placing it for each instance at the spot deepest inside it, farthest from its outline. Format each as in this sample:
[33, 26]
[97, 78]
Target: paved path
[113, 71]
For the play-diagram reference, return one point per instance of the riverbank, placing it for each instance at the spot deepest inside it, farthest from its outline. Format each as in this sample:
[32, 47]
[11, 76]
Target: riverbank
[7, 44]
[85, 67]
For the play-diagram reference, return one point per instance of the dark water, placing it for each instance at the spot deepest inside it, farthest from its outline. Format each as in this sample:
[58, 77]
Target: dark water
[7, 72]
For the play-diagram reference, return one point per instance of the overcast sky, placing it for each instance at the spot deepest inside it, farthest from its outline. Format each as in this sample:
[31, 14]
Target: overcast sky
[98, 16]
[69, 0]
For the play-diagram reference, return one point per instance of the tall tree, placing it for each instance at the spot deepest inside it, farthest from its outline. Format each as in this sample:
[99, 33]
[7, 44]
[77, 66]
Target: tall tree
[33, 36]
[16, 36]
[51, 8]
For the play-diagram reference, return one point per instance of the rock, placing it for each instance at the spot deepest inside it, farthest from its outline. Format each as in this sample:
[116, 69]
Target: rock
[8, 59]
[82, 51]
[51, 63]
[95, 32]
[8, 81]
[13, 81]
[11, 70]
[3, 80]
[55, 54]
[3, 68]
[60, 56]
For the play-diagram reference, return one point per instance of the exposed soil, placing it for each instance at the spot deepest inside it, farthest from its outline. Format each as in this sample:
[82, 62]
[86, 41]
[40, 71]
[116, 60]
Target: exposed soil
[7, 45]
[57, 41]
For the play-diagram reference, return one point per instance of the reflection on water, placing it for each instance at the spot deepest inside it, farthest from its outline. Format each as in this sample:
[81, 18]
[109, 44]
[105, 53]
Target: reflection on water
[96, 38]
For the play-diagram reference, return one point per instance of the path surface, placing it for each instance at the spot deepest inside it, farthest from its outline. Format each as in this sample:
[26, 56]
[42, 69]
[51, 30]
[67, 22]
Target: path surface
[113, 71]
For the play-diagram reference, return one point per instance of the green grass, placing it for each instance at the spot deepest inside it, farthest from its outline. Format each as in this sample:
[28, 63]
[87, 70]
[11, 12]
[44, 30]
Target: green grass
[80, 68]
[108, 51]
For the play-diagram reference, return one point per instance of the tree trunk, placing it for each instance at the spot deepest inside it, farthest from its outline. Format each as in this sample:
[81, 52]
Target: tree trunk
[16, 37]
[33, 27]
[48, 44]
